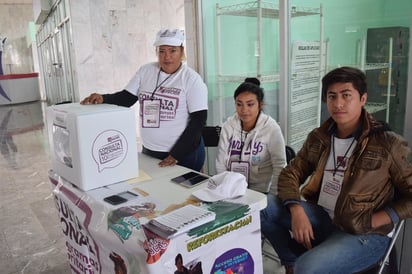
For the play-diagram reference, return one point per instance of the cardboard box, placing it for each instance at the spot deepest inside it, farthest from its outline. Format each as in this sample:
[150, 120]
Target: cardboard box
[93, 145]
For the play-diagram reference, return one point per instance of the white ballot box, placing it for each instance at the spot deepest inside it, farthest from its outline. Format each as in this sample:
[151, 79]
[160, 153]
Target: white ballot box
[93, 145]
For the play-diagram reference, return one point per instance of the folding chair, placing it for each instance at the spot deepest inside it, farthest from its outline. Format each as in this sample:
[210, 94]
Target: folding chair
[388, 259]
[210, 135]
[290, 154]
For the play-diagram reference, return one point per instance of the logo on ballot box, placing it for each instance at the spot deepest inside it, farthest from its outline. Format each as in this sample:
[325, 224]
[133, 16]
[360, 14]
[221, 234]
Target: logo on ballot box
[109, 149]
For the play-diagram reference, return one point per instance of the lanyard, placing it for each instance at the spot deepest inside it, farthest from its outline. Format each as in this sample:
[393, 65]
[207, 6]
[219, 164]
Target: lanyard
[242, 143]
[157, 82]
[336, 166]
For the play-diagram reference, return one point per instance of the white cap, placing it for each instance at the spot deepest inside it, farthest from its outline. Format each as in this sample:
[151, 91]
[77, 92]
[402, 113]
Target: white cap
[225, 185]
[169, 37]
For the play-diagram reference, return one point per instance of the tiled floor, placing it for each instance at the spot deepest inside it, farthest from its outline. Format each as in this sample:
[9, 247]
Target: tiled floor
[31, 240]
[31, 237]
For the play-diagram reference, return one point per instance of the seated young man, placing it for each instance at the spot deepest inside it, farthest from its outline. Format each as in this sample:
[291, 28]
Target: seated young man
[354, 164]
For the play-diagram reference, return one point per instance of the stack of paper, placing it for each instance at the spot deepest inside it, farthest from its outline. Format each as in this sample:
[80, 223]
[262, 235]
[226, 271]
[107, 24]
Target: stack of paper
[180, 221]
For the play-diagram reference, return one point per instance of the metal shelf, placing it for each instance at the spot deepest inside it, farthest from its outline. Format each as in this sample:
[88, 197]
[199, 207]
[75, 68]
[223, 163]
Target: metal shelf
[269, 10]
[369, 66]
[258, 10]
[373, 107]
[372, 66]
[267, 78]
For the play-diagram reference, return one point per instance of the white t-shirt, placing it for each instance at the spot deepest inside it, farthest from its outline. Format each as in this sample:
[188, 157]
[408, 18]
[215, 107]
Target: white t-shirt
[334, 172]
[182, 93]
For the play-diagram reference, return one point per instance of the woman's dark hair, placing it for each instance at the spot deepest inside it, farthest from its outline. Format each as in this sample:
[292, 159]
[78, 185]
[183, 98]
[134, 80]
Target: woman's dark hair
[250, 85]
[344, 75]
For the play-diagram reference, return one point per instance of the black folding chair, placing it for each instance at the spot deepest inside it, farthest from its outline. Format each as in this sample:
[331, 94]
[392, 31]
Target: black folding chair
[211, 135]
[290, 154]
[388, 264]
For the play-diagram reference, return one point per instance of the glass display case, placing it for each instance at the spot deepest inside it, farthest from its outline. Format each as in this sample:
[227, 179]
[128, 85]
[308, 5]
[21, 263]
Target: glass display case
[387, 84]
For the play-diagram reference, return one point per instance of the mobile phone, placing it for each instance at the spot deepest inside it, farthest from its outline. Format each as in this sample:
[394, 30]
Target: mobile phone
[184, 177]
[190, 179]
[120, 198]
[191, 182]
[115, 199]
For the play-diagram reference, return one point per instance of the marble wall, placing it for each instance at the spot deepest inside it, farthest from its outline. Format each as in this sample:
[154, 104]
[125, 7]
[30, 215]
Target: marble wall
[112, 38]
[14, 23]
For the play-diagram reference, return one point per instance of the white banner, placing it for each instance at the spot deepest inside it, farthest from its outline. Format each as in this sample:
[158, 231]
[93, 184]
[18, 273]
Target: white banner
[102, 238]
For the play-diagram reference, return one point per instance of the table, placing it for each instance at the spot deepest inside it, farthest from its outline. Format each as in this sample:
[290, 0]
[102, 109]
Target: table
[102, 238]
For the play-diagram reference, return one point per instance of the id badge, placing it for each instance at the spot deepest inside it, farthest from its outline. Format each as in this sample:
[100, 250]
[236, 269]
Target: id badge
[151, 113]
[241, 167]
[330, 190]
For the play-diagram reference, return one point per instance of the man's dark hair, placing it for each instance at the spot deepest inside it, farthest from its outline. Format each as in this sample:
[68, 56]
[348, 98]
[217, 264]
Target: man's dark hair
[344, 75]
[178, 257]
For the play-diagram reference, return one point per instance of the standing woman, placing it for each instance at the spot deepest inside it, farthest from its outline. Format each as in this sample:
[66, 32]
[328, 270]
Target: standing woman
[2, 41]
[251, 142]
[173, 104]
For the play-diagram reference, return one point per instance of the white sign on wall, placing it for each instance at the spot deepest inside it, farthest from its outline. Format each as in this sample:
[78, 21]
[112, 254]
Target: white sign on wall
[305, 91]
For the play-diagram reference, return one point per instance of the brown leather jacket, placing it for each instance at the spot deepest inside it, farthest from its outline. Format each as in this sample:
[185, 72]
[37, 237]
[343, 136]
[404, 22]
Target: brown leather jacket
[377, 167]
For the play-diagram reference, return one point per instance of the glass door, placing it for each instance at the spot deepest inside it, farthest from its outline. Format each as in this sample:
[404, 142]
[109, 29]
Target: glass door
[55, 48]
